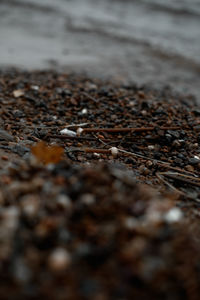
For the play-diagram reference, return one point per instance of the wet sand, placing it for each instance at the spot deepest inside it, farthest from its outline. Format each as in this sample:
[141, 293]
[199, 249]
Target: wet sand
[154, 42]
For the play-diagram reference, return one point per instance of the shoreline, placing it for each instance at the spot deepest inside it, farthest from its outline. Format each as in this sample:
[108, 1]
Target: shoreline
[106, 38]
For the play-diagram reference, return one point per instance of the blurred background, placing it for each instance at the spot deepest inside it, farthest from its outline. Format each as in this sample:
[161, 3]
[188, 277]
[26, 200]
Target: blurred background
[146, 41]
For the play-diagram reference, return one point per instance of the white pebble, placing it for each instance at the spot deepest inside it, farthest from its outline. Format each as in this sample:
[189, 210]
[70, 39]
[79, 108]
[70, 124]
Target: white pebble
[197, 157]
[79, 131]
[35, 87]
[64, 201]
[173, 215]
[68, 132]
[114, 151]
[59, 260]
[84, 111]
[97, 155]
[151, 147]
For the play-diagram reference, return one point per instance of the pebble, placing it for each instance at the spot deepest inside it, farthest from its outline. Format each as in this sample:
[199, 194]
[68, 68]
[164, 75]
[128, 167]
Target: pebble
[30, 205]
[59, 260]
[5, 136]
[193, 161]
[84, 111]
[64, 202]
[68, 132]
[151, 147]
[173, 215]
[87, 199]
[4, 157]
[114, 151]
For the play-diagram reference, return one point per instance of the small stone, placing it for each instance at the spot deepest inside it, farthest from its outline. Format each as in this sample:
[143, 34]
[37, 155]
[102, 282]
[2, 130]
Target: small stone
[151, 147]
[35, 87]
[87, 199]
[20, 150]
[30, 205]
[176, 144]
[68, 132]
[96, 155]
[5, 136]
[18, 93]
[146, 171]
[193, 161]
[114, 151]
[64, 202]
[79, 131]
[84, 111]
[173, 215]
[149, 163]
[4, 157]
[59, 260]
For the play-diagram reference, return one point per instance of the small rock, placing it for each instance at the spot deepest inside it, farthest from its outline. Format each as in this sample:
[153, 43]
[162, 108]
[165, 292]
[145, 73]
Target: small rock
[5, 136]
[18, 93]
[59, 260]
[173, 215]
[193, 161]
[68, 132]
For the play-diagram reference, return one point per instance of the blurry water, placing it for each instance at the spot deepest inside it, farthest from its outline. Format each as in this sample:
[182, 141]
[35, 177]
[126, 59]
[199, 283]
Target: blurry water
[154, 41]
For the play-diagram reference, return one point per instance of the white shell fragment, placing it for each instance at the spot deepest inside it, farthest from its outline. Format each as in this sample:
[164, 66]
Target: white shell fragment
[68, 132]
[197, 157]
[79, 131]
[18, 93]
[173, 215]
[35, 87]
[151, 147]
[114, 151]
[84, 111]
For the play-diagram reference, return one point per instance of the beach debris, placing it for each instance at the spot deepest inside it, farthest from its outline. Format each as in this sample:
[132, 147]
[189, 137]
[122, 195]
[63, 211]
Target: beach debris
[114, 151]
[47, 154]
[84, 111]
[68, 132]
[79, 131]
[18, 93]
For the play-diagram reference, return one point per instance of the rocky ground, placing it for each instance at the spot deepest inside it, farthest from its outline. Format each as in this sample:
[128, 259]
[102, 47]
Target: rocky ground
[99, 189]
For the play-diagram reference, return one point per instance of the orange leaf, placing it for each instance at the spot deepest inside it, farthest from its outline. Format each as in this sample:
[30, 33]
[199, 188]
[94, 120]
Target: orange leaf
[47, 154]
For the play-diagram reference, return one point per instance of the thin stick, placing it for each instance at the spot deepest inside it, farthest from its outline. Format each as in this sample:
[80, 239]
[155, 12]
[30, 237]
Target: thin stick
[79, 138]
[76, 125]
[127, 129]
[160, 177]
[90, 97]
[183, 178]
[159, 162]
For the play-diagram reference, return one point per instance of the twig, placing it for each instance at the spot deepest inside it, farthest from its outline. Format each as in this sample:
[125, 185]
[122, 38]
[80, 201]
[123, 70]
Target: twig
[76, 125]
[79, 138]
[160, 177]
[183, 178]
[128, 129]
[90, 97]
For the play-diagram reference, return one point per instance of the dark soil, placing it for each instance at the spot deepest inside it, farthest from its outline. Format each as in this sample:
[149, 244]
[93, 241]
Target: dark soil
[113, 212]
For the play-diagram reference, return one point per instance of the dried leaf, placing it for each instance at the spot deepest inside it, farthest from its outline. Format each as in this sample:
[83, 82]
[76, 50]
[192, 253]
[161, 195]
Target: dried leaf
[47, 154]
